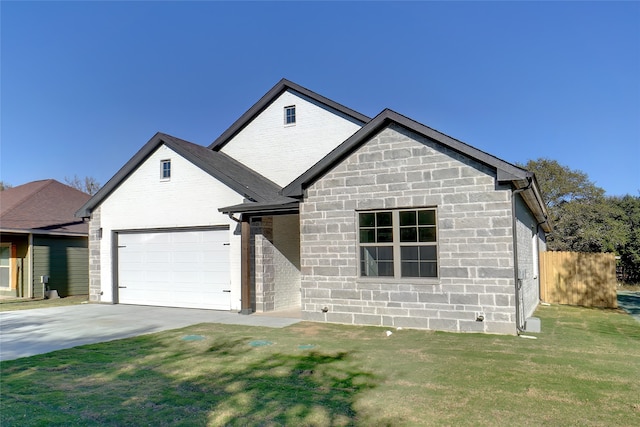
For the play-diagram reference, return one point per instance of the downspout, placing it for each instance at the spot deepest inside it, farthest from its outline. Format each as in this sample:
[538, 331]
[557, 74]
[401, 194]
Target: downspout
[514, 225]
[546, 219]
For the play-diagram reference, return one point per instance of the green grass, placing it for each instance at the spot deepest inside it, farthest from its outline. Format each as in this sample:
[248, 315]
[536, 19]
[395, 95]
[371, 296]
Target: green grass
[28, 304]
[583, 370]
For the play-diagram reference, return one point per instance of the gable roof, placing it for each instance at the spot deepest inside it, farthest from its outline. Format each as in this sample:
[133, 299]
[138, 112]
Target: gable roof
[282, 86]
[42, 206]
[506, 172]
[230, 172]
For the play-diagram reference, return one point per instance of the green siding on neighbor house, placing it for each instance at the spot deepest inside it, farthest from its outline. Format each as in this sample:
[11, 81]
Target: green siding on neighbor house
[65, 260]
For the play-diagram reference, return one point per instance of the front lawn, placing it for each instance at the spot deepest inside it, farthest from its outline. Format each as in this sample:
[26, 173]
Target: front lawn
[584, 369]
[29, 304]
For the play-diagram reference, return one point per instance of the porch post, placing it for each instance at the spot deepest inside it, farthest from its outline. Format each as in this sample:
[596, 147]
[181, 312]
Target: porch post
[245, 266]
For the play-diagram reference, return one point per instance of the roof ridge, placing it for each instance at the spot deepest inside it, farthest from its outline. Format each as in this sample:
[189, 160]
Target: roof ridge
[269, 97]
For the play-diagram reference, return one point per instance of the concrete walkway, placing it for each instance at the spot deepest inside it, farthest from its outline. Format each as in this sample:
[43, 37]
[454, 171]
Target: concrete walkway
[29, 332]
[630, 302]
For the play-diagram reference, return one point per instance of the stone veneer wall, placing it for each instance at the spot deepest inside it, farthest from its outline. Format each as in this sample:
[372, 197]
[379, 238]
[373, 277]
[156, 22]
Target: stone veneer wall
[263, 272]
[528, 272]
[400, 169]
[94, 256]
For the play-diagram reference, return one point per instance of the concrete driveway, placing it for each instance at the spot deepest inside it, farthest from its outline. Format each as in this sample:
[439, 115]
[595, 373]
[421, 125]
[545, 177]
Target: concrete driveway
[29, 332]
[630, 302]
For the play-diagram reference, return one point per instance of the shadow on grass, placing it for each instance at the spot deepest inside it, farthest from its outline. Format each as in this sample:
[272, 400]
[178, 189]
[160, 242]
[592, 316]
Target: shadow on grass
[224, 383]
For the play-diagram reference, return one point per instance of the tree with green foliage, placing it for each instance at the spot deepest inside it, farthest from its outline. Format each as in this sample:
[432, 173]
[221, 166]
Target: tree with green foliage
[629, 251]
[583, 219]
[5, 185]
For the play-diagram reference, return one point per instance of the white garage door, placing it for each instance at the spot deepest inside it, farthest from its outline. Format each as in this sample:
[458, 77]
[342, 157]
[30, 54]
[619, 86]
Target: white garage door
[175, 269]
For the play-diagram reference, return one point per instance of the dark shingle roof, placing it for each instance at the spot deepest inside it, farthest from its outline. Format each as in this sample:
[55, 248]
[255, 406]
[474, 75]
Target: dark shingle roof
[46, 205]
[282, 86]
[230, 172]
[505, 171]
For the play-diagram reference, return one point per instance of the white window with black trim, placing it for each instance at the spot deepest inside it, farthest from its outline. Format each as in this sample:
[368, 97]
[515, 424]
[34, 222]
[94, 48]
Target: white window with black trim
[400, 243]
[165, 170]
[290, 115]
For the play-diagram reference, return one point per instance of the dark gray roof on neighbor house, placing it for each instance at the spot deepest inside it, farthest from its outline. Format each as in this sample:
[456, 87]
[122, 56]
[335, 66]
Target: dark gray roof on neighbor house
[46, 206]
[230, 172]
[506, 172]
[282, 86]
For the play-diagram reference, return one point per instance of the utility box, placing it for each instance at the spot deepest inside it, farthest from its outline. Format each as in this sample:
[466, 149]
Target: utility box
[532, 324]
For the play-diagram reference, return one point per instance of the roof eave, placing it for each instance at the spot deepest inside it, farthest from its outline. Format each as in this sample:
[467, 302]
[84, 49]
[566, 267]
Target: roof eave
[262, 208]
[42, 232]
[120, 176]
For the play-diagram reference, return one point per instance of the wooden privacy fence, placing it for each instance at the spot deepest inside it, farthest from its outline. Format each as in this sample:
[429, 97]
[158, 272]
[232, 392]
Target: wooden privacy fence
[575, 278]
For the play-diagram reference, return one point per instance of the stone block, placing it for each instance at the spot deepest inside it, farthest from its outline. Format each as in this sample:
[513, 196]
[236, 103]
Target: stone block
[367, 319]
[502, 300]
[459, 272]
[316, 293]
[423, 313]
[445, 173]
[345, 294]
[380, 296]
[443, 324]
[437, 298]
[388, 178]
[314, 316]
[471, 326]
[326, 271]
[411, 322]
[499, 273]
[361, 180]
[403, 296]
[339, 317]
[465, 299]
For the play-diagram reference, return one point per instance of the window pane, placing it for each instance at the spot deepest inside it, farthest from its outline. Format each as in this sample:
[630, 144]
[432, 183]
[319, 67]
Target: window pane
[407, 218]
[385, 253]
[408, 234]
[427, 234]
[409, 253]
[428, 253]
[383, 219]
[368, 236]
[385, 268]
[367, 220]
[385, 235]
[5, 254]
[368, 264]
[428, 269]
[427, 217]
[5, 278]
[376, 261]
[410, 269]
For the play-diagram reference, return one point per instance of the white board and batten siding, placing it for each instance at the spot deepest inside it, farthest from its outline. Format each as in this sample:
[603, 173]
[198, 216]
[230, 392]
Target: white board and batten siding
[181, 215]
[283, 152]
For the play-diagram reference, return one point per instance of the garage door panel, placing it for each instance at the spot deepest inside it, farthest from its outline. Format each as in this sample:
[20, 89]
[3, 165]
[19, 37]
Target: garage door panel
[174, 269]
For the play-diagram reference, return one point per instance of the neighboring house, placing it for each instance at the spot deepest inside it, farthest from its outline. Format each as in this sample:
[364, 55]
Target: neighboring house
[305, 203]
[42, 244]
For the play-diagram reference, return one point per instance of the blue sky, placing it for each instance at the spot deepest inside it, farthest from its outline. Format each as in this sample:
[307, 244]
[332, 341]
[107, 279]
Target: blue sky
[85, 84]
